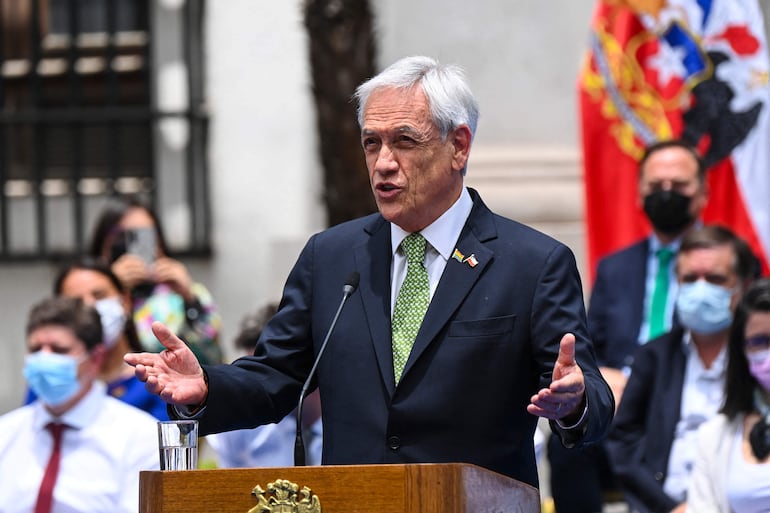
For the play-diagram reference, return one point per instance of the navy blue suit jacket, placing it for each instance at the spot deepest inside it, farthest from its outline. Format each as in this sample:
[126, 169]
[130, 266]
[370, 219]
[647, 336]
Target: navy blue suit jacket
[617, 304]
[488, 341]
[643, 430]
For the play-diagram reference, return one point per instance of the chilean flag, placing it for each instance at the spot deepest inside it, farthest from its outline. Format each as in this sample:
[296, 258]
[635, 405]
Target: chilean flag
[690, 69]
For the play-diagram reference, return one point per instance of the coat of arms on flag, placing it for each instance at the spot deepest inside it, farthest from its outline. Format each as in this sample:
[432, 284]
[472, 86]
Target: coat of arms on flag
[690, 69]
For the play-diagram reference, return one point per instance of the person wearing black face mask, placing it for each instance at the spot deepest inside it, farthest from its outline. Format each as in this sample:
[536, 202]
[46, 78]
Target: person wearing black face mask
[633, 297]
[669, 211]
[625, 310]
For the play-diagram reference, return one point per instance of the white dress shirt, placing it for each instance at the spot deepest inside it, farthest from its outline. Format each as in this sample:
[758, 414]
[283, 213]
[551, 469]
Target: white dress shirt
[702, 394]
[441, 235]
[106, 444]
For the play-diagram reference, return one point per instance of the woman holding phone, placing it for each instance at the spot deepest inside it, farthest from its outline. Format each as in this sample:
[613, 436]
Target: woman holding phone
[129, 237]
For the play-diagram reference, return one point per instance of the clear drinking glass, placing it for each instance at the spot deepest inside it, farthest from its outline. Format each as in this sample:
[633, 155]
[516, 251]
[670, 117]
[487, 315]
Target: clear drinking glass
[178, 444]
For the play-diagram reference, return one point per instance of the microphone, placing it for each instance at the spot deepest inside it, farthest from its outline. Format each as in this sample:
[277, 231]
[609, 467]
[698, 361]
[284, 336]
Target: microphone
[351, 284]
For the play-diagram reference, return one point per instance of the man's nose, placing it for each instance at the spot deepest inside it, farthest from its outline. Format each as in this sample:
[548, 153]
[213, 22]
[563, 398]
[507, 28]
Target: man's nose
[386, 160]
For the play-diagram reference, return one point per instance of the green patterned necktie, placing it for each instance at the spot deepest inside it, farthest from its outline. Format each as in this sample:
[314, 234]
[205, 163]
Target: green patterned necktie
[411, 303]
[660, 294]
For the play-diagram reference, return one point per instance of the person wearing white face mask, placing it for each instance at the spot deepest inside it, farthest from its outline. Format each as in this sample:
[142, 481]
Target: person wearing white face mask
[94, 283]
[73, 449]
[677, 380]
[731, 473]
[112, 312]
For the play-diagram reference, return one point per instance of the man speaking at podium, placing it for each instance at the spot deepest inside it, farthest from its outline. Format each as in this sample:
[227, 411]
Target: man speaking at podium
[466, 326]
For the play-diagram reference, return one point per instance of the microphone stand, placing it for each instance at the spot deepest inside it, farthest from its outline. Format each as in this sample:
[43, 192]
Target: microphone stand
[351, 284]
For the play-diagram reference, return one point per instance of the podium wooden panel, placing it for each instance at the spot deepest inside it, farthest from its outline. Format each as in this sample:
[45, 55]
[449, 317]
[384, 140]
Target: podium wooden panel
[418, 488]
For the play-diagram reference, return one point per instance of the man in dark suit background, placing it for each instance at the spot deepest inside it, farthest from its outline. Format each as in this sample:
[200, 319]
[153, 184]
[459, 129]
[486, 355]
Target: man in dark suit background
[621, 314]
[503, 340]
[673, 193]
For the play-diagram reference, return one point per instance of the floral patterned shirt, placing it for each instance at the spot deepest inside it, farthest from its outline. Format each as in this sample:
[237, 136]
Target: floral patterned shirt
[197, 323]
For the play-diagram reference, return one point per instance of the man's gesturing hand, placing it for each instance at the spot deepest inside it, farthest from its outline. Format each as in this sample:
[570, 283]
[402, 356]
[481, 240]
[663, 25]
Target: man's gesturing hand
[564, 397]
[174, 374]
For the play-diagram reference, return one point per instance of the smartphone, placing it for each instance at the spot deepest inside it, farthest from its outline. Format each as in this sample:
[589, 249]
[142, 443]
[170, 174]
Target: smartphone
[142, 242]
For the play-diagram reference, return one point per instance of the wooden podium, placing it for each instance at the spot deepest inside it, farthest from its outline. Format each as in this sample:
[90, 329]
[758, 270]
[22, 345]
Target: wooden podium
[417, 488]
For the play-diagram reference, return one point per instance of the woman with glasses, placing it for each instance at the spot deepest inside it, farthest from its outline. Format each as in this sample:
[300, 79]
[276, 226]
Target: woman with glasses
[732, 466]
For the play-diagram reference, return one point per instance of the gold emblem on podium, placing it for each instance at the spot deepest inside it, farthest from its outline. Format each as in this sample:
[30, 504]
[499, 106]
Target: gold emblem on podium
[283, 496]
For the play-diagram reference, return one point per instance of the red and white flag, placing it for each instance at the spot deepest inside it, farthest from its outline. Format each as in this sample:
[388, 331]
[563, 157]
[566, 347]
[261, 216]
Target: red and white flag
[690, 69]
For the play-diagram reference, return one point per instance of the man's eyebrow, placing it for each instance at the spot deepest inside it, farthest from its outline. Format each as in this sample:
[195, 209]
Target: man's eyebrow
[399, 130]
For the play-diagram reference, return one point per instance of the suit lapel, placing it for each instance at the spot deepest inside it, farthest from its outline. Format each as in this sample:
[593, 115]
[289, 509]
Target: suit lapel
[672, 399]
[458, 277]
[637, 281]
[373, 260]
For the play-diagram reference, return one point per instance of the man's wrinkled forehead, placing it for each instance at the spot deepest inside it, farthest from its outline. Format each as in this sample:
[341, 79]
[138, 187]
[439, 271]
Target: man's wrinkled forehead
[396, 103]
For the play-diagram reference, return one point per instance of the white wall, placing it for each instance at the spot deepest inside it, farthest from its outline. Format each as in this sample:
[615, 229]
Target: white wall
[265, 175]
[521, 58]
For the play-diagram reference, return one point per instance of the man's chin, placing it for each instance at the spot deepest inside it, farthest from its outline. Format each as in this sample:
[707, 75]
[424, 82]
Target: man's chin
[388, 210]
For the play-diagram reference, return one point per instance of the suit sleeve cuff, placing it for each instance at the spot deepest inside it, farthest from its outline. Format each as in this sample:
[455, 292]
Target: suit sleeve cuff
[572, 435]
[185, 412]
[579, 422]
[190, 411]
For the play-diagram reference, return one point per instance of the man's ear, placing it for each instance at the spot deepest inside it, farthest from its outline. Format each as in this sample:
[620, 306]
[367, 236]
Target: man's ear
[460, 138]
[97, 356]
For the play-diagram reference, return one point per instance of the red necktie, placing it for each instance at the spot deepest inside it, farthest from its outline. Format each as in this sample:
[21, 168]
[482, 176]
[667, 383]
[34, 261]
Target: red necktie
[45, 495]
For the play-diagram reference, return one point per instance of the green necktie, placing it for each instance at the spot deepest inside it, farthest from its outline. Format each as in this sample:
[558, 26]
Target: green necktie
[411, 303]
[660, 294]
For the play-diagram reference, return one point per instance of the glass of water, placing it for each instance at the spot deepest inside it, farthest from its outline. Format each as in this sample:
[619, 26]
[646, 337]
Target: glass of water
[178, 444]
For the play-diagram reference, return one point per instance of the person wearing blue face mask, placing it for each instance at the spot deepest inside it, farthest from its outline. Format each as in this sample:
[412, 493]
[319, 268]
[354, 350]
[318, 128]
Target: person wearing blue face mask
[677, 380]
[74, 448]
[94, 283]
[704, 307]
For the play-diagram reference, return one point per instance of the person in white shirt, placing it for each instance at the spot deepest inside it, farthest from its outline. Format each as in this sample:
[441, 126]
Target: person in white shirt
[104, 443]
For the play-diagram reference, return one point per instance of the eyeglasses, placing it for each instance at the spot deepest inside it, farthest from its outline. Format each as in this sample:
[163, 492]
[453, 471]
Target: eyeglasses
[757, 343]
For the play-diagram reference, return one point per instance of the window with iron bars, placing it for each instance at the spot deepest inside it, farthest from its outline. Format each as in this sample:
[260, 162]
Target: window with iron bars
[100, 98]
